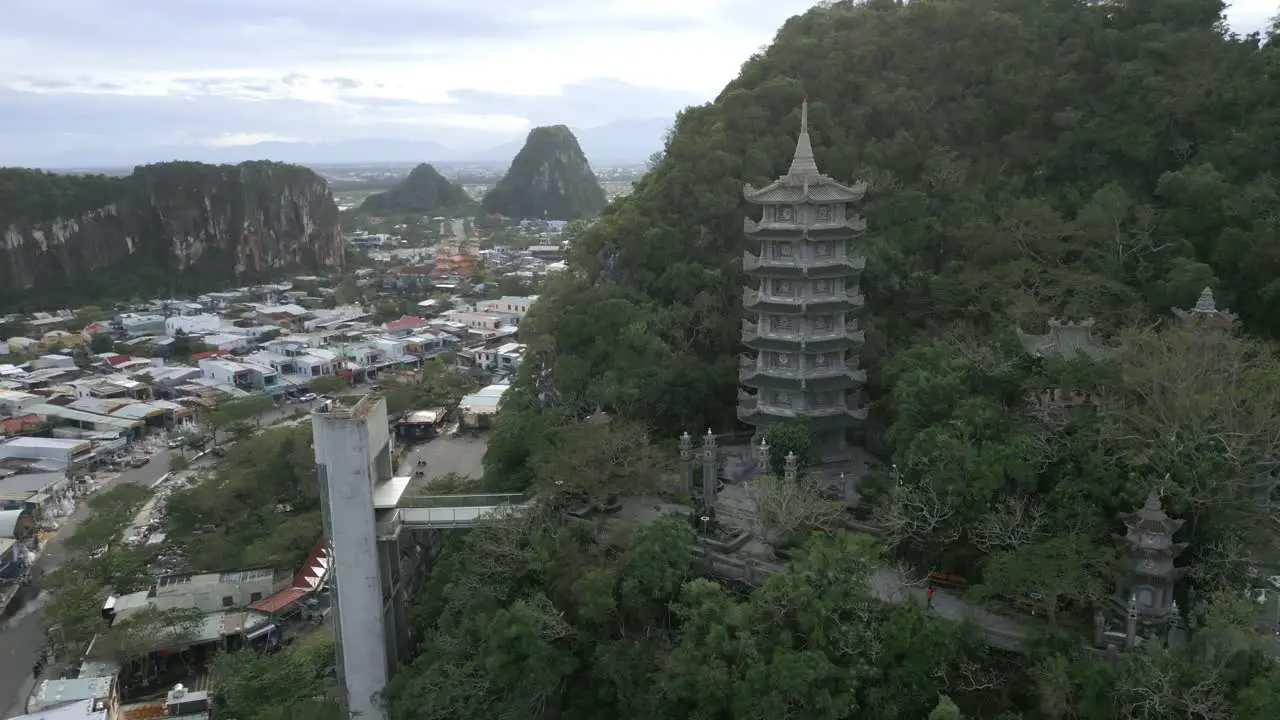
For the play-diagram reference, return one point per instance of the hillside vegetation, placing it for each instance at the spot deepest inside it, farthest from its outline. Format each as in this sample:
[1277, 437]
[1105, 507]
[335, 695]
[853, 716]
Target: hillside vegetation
[422, 191]
[550, 177]
[1026, 160]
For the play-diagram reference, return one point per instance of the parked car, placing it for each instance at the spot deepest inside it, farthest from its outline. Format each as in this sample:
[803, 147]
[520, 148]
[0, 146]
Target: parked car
[175, 444]
[139, 461]
[309, 397]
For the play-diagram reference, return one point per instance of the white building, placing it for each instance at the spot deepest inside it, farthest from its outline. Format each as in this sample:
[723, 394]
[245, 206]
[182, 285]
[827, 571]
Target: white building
[14, 403]
[500, 360]
[227, 342]
[59, 451]
[192, 324]
[246, 376]
[508, 305]
[481, 320]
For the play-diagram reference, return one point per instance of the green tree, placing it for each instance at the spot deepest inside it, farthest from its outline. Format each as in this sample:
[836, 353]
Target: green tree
[327, 384]
[101, 343]
[245, 412]
[1066, 567]
[791, 437]
[946, 710]
[295, 683]
[261, 507]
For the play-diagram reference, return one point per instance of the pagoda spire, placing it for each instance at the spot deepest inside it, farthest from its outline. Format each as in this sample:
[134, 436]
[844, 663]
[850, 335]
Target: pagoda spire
[1206, 302]
[803, 165]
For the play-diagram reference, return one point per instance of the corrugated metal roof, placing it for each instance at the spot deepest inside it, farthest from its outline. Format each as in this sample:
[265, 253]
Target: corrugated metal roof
[9, 522]
[138, 411]
[56, 692]
[80, 416]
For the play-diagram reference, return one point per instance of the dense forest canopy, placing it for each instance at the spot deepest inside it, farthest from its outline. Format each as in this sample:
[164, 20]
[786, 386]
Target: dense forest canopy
[423, 190]
[1026, 161]
[549, 178]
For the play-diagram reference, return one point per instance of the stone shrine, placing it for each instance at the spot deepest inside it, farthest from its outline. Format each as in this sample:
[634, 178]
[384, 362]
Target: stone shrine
[1066, 339]
[799, 322]
[1205, 317]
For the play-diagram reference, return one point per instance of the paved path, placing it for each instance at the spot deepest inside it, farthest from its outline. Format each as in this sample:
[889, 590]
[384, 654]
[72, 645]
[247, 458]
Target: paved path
[22, 636]
[1003, 631]
[462, 454]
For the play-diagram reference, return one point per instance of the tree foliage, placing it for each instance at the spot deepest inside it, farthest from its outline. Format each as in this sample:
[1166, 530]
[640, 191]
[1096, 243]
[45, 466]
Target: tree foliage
[294, 683]
[260, 507]
[1025, 161]
[532, 618]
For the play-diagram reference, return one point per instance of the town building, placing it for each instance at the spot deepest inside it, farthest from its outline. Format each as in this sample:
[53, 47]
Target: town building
[800, 320]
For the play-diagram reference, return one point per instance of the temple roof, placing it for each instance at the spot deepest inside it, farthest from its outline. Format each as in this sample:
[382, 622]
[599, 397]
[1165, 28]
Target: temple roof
[1066, 340]
[803, 182]
[1151, 517]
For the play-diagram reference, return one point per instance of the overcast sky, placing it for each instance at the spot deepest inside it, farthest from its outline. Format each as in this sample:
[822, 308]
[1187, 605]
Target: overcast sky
[134, 73]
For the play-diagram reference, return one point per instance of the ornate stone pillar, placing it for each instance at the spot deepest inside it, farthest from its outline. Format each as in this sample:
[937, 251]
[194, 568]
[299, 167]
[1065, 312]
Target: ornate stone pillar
[686, 462]
[709, 470]
[791, 470]
[1131, 624]
[762, 459]
[1177, 632]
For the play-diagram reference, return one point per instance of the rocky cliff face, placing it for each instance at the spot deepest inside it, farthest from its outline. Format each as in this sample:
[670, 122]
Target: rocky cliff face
[550, 177]
[169, 227]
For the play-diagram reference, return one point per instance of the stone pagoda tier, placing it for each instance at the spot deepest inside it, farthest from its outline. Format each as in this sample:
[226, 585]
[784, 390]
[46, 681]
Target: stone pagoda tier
[800, 320]
[1149, 552]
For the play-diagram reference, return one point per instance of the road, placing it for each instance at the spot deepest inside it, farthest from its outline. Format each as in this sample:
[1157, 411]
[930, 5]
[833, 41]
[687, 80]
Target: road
[22, 636]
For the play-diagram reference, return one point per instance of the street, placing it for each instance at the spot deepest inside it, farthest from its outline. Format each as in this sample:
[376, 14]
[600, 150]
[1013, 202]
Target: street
[22, 636]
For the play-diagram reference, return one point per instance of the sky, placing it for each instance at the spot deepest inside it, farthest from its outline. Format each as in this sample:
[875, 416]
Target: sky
[465, 73]
[139, 74]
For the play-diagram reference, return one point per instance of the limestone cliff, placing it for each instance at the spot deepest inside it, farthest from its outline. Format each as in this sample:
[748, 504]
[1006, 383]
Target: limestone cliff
[170, 227]
[550, 178]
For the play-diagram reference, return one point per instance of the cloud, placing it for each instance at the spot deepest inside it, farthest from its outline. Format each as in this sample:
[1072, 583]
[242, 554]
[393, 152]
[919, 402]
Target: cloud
[140, 74]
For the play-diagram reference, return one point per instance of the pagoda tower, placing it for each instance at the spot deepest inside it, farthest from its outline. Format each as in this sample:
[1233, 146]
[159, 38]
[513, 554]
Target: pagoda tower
[1149, 552]
[799, 322]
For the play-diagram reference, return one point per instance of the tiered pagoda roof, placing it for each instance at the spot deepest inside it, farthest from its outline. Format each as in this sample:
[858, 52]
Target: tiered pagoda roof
[1206, 315]
[803, 183]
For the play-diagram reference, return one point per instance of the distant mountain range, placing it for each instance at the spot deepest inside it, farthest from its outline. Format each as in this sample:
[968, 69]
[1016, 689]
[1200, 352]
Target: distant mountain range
[622, 142]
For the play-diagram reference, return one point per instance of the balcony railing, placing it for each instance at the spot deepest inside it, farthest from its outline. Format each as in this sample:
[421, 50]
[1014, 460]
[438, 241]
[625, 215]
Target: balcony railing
[751, 332]
[851, 262]
[749, 404]
[857, 224]
[747, 372]
[751, 298]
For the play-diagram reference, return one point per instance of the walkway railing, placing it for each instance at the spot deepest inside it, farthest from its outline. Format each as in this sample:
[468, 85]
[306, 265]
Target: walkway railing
[464, 501]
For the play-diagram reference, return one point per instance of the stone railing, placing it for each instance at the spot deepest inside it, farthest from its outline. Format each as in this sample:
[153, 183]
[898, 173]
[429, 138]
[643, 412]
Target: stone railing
[853, 263]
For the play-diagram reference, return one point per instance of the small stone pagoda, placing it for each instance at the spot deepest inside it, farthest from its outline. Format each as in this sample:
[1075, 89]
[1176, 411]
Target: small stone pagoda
[1205, 317]
[799, 321]
[1150, 551]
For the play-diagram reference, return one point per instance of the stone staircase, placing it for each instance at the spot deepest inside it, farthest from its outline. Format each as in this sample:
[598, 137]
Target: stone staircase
[734, 507]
